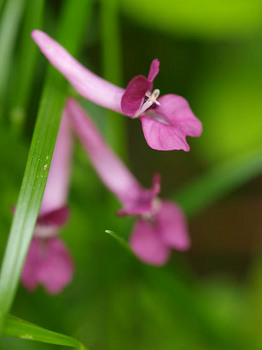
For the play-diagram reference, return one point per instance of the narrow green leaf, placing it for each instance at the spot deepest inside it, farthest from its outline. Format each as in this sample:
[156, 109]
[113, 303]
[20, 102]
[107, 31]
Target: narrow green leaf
[32, 189]
[119, 239]
[39, 158]
[218, 182]
[10, 21]
[26, 62]
[15, 327]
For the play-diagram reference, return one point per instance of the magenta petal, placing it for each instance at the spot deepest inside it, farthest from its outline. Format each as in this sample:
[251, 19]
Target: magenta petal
[56, 269]
[85, 82]
[172, 226]
[156, 184]
[143, 204]
[135, 94]
[154, 70]
[56, 217]
[29, 276]
[166, 127]
[48, 263]
[147, 244]
[145, 201]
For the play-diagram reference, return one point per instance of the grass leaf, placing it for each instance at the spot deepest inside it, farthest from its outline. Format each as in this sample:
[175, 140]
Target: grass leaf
[18, 328]
[119, 239]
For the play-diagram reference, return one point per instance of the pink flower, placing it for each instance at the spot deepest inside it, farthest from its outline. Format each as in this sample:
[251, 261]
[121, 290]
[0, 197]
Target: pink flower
[48, 261]
[166, 121]
[160, 225]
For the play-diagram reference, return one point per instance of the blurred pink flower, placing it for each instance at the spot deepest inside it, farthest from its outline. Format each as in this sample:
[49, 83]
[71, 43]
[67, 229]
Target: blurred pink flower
[48, 261]
[160, 225]
[165, 121]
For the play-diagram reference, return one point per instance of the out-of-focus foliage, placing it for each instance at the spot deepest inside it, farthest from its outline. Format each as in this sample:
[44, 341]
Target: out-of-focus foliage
[230, 80]
[198, 18]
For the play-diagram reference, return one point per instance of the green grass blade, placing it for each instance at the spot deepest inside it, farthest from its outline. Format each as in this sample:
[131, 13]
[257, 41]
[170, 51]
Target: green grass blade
[39, 159]
[15, 327]
[26, 62]
[9, 25]
[218, 182]
[119, 239]
[32, 189]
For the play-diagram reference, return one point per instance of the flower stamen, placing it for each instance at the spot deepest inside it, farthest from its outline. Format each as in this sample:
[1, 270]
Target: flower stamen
[154, 96]
[150, 100]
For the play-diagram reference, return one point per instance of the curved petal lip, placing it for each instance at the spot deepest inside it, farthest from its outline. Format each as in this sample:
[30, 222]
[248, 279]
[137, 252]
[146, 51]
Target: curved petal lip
[58, 217]
[154, 70]
[136, 89]
[178, 112]
[134, 95]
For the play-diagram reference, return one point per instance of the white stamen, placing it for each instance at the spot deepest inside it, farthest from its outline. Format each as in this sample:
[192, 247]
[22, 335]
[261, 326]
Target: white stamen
[152, 99]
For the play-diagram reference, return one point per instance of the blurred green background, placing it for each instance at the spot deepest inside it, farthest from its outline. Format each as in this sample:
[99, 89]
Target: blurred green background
[210, 297]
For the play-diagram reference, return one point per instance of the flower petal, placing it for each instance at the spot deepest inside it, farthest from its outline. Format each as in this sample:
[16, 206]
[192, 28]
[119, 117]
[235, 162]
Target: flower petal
[172, 226]
[85, 82]
[166, 127]
[134, 95]
[147, 244]
[145, 202]
[29, 274]
[56, 217]
[56, 191]
[48, 263]
[154, 70]
[56, 269]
